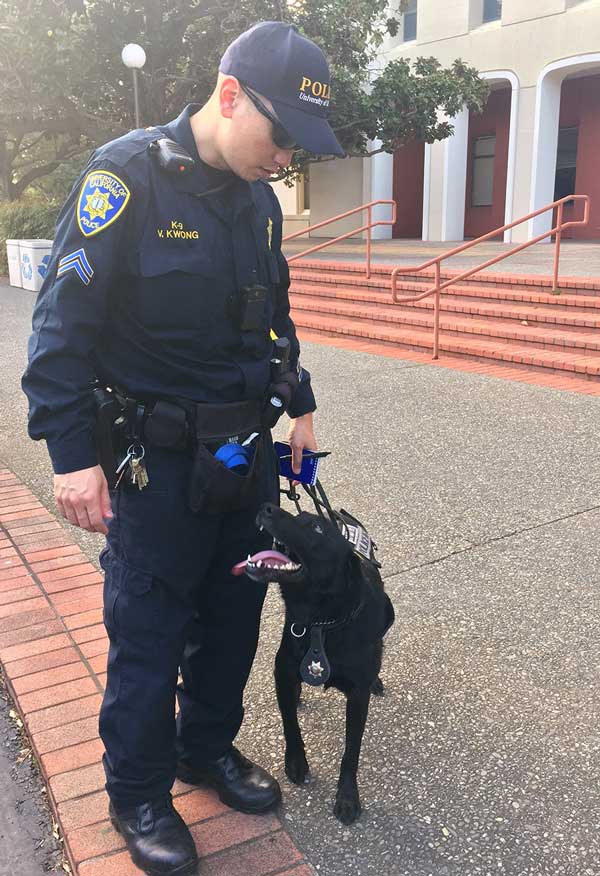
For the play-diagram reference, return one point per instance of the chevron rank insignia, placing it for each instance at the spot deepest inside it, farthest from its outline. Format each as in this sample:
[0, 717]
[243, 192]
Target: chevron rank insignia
[102, 199]
[78, 262]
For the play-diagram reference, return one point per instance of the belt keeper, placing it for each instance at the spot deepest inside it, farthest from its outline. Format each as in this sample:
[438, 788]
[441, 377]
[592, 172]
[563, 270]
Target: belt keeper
[134, 414]
[166, 426]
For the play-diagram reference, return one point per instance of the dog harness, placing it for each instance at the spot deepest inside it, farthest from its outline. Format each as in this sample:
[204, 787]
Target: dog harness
[315, 668]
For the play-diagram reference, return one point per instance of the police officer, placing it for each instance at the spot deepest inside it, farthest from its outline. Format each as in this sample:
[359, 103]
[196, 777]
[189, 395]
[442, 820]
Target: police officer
[167, 284]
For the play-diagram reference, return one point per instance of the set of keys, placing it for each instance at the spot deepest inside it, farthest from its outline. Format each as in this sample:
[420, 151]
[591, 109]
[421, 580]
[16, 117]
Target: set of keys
[133, 463]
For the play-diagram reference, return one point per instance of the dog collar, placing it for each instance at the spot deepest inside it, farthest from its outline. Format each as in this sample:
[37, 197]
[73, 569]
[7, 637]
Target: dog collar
[315, 668]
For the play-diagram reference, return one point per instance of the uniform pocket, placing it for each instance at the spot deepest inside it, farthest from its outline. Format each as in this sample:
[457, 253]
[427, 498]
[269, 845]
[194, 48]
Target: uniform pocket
[133, 600]
[186, 259]
[152, 531]
[215, 489]
[178, 298]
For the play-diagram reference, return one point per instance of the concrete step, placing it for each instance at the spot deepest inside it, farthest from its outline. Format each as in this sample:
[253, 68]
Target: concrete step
[585, 298]
[498, 329]
[571, 285]
[463, 345]
[551, 314]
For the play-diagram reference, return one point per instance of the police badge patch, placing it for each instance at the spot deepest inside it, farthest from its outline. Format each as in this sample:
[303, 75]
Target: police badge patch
[102, 199]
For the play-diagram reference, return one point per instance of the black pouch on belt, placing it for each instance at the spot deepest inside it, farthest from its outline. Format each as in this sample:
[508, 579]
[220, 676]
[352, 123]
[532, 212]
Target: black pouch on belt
[215, 489]
[166, 426]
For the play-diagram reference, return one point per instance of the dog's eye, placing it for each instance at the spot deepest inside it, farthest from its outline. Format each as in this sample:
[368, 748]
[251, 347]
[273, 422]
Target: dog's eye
[317, 528]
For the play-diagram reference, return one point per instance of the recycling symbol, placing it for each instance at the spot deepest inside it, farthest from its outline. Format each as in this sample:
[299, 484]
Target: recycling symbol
[26, 268]
[43, 267]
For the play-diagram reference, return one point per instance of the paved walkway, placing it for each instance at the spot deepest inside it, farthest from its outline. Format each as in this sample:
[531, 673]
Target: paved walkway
[484, 755]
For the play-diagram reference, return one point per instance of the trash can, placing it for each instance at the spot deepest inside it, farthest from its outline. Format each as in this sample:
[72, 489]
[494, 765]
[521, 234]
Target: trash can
[14, 262]
[35, 257]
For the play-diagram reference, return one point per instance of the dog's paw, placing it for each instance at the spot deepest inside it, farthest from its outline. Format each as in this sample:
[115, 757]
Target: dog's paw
[347, 806]
[296, 768]
[377, 687]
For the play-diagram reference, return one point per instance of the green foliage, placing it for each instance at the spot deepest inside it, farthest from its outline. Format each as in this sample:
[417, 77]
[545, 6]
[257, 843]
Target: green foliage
[25, 220]
[64, 89]
[54, 188]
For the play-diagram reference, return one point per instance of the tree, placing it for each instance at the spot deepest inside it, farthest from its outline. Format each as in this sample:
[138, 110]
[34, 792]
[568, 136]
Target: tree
[64, 90]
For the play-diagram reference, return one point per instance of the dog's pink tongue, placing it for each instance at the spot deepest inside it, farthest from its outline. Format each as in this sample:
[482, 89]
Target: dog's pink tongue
[269, 558]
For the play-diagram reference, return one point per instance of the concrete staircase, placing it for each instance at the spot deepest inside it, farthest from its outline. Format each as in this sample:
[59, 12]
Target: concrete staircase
[509, 320]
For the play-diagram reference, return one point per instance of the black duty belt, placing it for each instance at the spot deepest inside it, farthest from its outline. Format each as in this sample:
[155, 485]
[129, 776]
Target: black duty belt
[181, 424]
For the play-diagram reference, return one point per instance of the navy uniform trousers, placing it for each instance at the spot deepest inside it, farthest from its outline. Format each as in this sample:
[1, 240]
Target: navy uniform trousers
[170, 601]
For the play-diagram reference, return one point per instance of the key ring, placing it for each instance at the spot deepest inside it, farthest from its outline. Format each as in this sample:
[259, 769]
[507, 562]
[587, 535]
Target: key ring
[131, 451]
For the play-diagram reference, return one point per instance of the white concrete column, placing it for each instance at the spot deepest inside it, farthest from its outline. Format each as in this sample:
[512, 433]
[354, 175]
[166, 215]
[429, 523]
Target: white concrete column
[509, 215]
[381, 187]
[435, 176]
[513, 80]
[545, 134]
[455, 179]
[545, 144]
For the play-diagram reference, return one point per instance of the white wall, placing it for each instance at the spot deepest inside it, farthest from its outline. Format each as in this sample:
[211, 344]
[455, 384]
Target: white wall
[336, 186]
[531, 35]
[526, 10]
[288, 198]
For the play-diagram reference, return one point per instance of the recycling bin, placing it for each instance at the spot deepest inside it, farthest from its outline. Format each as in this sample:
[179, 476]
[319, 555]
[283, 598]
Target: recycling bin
[14, 262]
[35, 257]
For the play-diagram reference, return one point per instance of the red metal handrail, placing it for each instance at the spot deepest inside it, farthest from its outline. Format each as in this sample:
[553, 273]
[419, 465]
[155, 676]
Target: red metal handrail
[369, 224]
[437, 260]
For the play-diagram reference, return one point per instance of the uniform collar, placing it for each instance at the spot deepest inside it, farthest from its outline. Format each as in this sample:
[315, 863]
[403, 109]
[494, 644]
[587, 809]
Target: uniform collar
[180, 130]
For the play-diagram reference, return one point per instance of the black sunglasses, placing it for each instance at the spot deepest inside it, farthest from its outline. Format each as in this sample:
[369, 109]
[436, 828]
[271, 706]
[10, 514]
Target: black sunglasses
[280, 136]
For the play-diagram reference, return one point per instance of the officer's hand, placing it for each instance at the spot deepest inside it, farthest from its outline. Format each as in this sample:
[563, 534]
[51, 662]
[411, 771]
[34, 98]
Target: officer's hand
[82, 498]
[301, 436]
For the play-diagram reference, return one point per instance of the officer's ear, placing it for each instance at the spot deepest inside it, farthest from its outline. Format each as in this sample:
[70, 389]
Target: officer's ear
[229, 95]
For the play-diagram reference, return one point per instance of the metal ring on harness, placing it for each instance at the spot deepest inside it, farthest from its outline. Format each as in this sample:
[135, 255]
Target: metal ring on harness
[297, 635]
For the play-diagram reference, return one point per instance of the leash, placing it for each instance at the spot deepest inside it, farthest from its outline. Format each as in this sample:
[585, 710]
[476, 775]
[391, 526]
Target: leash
[350, 527]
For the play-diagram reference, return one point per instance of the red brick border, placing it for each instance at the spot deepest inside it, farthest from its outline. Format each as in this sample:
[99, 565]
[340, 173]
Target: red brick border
[53, 651]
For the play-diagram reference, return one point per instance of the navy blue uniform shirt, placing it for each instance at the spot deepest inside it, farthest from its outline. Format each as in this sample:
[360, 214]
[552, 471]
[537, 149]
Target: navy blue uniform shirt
[137, 288]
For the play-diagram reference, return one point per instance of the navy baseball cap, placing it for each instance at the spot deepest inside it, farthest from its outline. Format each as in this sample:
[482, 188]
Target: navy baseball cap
[273, 59]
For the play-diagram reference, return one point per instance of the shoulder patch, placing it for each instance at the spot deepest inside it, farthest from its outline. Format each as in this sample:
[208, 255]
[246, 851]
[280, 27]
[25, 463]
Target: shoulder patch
[102, 199]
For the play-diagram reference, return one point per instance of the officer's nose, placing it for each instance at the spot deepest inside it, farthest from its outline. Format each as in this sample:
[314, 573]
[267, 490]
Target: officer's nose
[283, 157]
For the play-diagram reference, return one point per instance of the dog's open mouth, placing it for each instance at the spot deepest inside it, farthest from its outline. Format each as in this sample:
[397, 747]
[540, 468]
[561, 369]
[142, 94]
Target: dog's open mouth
[269, 565]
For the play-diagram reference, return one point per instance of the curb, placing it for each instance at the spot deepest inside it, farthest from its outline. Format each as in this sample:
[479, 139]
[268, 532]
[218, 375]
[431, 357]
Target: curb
[53, 650]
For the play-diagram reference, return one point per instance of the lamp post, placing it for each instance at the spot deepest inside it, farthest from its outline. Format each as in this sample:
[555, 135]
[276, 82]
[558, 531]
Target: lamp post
[134, 57]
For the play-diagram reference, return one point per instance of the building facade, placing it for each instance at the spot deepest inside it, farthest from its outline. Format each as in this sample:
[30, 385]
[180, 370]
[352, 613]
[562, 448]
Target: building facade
[538, 138]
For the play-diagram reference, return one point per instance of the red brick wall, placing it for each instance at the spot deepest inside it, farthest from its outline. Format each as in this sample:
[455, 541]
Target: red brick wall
[580, 107]
[408, 190]
[495, 119]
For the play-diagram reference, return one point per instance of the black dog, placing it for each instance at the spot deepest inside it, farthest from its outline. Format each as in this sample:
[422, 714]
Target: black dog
[336, 615]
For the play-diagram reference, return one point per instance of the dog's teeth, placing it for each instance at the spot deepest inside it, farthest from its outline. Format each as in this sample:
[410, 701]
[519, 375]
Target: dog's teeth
[259, 564]
[260, 528]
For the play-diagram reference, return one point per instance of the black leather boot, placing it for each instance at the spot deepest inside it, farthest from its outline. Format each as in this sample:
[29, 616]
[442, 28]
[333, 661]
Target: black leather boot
[239, 783]
[157, 838]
